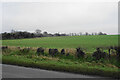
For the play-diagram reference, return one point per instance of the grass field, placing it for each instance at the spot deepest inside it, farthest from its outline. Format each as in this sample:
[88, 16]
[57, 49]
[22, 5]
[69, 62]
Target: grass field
[88, 65]
[86, 42]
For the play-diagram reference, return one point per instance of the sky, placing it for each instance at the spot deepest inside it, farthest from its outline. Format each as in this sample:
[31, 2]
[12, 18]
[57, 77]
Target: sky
[68, 16]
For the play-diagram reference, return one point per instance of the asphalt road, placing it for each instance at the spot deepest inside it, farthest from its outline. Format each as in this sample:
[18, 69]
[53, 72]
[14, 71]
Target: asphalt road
[10, 71]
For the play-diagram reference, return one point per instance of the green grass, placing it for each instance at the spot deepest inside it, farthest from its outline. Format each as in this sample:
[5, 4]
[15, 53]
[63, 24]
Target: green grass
[86, 42]
[87, 65]
[63, 65]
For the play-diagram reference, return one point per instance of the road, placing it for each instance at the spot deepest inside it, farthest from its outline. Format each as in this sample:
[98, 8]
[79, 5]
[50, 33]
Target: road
[10, 71]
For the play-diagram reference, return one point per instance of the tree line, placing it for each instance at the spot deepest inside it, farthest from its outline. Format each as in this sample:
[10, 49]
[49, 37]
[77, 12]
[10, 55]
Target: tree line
[24, 34]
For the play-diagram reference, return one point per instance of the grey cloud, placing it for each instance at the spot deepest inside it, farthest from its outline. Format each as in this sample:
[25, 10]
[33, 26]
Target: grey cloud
[61, 16]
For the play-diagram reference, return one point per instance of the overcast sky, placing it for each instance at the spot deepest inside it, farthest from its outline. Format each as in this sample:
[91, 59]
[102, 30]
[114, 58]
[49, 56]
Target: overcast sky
[63, 17]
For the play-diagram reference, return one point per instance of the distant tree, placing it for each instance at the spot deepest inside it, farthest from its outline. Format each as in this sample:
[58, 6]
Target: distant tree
[63, 34]
[51, 35]
[32, 35]
[45, 33]
[86, 33]
[72, 34]
[100, 33]
[0, 36]
[56, 34]
[80, 33]
[69, 34]
[75, 34]
[95, 33]
[38, 31]
[13, 31]
[17, 35]
[105, 33]
[92, 34]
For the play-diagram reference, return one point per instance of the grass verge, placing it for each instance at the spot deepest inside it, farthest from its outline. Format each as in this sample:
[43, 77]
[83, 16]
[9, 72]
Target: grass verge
[62, 65]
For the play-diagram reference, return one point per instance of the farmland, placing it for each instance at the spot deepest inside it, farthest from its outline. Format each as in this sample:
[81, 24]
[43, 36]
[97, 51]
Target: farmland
[85, 65]
[86, 42]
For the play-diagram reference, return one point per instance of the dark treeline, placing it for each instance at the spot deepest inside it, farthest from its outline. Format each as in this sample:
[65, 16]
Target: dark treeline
[17, 35]
[24, 34]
